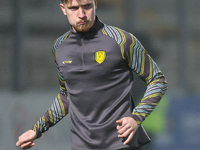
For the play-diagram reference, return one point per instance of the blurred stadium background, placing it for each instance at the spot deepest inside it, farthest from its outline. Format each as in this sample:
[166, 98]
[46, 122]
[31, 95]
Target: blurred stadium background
[170, 32]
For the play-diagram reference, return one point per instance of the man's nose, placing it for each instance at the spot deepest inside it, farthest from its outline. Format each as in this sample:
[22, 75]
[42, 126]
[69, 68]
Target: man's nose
[81, 13]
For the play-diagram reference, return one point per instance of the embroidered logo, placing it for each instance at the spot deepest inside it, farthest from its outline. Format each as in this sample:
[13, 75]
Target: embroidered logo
[67, 62]
[100, 56]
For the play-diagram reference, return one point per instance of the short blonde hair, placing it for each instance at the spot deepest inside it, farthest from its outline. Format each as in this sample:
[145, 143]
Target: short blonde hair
[66, 1]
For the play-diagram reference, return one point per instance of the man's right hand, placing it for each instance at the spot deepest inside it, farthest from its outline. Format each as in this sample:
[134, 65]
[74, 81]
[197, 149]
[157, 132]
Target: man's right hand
[25, 141]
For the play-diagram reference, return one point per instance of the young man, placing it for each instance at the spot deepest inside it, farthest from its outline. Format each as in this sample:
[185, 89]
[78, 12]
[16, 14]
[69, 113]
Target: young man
[95, 63]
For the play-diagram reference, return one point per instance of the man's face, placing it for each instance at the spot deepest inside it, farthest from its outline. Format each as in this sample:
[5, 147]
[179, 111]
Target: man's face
[80, 14]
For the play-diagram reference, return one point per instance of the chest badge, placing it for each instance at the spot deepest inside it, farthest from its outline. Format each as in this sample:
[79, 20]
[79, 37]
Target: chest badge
[100, 56]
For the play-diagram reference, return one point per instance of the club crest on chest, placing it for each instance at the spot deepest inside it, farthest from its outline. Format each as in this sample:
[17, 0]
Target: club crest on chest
[100, 56]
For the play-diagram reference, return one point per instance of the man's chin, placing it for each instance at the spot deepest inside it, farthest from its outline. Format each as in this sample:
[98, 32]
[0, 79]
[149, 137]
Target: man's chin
[82, 29]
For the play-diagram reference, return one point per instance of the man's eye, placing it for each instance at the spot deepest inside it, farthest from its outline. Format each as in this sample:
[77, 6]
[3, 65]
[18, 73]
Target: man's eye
[73, 8]
[88, 6]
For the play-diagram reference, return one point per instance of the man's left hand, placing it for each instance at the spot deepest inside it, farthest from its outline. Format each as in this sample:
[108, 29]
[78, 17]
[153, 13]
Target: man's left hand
[126, 127]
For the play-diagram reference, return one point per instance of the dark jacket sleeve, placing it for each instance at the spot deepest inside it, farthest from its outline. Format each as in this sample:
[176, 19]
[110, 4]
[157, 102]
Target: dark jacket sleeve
[59, 107]
[144, 66]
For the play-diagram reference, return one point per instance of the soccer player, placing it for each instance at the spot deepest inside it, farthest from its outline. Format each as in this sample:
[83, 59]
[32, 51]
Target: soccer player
[95, 62]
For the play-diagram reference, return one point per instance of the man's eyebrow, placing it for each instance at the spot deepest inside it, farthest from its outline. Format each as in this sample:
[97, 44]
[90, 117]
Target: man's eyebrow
[72, 6]
[82, 5]
[89, 3]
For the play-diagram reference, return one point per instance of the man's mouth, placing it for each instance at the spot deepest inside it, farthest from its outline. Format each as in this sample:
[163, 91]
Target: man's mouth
[81, 23]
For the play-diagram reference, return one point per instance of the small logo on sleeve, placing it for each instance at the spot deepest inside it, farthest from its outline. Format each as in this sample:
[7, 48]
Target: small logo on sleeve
[67, 62]
[100, 56]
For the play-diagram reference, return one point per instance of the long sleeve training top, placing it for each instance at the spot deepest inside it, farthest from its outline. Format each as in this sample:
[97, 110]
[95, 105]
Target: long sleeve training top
[95, 77]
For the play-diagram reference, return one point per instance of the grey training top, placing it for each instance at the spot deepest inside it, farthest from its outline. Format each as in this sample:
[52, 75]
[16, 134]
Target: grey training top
[95, 75]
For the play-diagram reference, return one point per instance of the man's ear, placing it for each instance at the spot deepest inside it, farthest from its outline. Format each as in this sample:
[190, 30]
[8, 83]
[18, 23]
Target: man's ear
[95, 4]
[63, 8]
